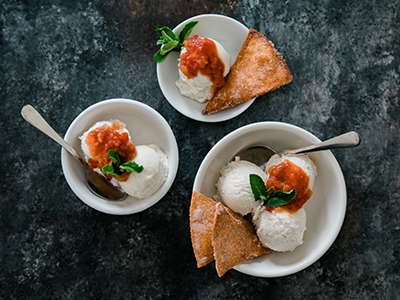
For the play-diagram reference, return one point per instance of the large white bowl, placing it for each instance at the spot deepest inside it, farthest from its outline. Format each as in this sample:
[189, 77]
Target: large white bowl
[145, 125]
[325, 210]
[231, 35]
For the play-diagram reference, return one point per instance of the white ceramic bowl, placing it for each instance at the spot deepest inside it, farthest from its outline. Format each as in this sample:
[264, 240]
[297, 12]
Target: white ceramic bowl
[325, 210]
[231, 35]
[145, 125]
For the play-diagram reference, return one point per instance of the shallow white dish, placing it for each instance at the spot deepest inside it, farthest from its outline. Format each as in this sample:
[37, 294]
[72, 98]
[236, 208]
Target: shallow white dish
[231, 35]
[145, 125]
[325, 210]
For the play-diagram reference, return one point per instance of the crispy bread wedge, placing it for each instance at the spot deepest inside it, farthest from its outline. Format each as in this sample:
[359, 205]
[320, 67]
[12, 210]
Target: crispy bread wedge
[258, 69]
[201, 215]
[234, 240]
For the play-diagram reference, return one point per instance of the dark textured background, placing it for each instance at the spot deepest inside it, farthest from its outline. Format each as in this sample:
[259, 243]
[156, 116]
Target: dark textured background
[62, 56]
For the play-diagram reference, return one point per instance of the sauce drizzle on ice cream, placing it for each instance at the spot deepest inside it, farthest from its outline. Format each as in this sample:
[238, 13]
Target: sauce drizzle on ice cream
[285, 177]
[201, 56]
[104, 138]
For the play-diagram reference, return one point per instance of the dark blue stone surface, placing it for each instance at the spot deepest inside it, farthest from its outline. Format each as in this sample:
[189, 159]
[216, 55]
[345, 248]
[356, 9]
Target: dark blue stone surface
[63, 56]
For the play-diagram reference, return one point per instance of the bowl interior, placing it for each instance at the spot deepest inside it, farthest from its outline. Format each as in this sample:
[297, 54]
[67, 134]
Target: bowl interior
[231, 35]
[145, 125]
[325, 210]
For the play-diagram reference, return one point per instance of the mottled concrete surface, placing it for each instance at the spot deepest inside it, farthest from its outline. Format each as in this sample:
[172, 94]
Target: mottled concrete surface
[62, 56]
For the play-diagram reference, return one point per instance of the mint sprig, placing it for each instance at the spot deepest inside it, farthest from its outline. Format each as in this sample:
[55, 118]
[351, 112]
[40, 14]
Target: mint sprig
[268, 196]
[131, 166]
[116, 168]
[170, 42]
[113, 154]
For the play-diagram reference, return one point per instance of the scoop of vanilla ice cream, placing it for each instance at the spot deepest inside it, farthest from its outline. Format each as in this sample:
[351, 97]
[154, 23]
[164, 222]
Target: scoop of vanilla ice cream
[155, 163]
[201, 88]
[301, 160]
[233, 186]
[85, 147]
[280, 231]
[224, 56]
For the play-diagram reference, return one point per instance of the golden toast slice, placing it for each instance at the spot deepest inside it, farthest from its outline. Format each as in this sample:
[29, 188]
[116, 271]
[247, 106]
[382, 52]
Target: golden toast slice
[201, 215]
[258, 69]
[234, 240]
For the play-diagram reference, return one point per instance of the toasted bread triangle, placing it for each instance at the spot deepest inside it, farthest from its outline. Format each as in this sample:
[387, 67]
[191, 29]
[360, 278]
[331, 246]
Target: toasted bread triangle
[234, 240]
[202, 212]
[258, 69]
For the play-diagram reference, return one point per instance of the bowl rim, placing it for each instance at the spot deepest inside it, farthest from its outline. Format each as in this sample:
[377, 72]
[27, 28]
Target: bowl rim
[120, 207]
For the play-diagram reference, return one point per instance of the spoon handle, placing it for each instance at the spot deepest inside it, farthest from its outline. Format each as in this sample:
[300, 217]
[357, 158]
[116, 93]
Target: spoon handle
[346, 140]
[32, 116]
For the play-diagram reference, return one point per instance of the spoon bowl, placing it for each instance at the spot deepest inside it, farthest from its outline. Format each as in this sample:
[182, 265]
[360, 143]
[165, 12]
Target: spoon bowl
[260, 154]
[97, 183]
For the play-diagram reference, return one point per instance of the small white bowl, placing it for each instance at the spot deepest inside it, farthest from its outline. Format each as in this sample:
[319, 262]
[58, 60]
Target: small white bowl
[325, 210]
[231, 35]
[145, 125]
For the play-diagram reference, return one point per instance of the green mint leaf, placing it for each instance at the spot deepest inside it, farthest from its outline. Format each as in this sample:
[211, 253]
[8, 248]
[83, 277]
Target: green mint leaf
[170, 42]
[268, 193]
[167, 47]
[186, 31]
[131, 166]
[158, 57]
[116, 168]
[166, 35]
[110, 170]
[279, 198]
[258, 188]
[268, 196]
[114, 157]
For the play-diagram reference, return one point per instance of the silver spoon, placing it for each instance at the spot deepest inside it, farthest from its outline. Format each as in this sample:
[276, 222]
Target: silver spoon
[260, 154]
[97, 183]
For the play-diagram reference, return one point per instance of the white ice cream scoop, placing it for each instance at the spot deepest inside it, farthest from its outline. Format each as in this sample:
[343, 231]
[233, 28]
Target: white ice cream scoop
[233, 186]
[281, 231]
[201, 88]
[144, 184]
